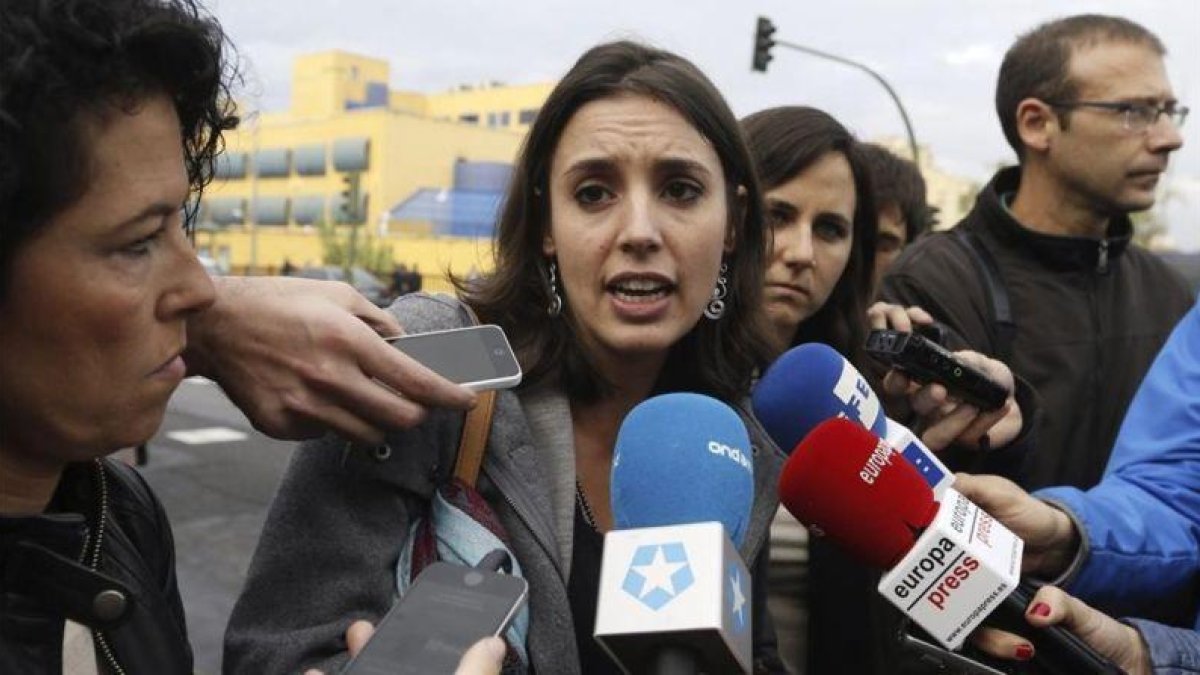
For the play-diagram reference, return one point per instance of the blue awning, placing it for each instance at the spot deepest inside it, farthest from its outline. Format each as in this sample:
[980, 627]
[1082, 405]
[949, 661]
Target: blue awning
[456, 213]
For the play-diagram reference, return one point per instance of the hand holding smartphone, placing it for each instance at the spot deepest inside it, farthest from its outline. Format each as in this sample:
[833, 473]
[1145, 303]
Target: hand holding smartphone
[477, 357]
[447, 610]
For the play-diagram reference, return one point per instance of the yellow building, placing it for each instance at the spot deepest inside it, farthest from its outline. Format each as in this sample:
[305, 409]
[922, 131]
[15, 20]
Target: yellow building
[952, 195]
[422, 162]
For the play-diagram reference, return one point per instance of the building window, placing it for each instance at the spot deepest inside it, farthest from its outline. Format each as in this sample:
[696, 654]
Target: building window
[310, 160]
[492, 118]
[376, 97]
[273, 163]
[223, 210]
[308, 209]
[351, 154]
[271, 211]
[469, 118]
[505, 118]
[527, 116]
[230, 165]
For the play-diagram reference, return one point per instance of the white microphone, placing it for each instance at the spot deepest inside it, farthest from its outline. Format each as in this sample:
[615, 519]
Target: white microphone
[949, 565]
[674, 593]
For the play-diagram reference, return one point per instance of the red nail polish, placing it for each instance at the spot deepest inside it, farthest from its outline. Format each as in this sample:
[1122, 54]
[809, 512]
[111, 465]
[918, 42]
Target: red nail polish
[1024, 652]
[1040, 609]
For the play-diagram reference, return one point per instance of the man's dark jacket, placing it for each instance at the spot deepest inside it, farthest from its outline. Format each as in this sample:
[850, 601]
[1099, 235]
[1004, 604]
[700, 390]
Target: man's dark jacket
[1090, 314]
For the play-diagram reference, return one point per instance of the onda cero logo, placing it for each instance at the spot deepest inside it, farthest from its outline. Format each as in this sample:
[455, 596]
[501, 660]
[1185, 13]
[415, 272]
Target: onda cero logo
[658, 573]
[735, 454]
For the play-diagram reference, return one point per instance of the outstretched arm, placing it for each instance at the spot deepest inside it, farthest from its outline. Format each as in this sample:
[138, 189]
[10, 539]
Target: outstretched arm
[301, 356]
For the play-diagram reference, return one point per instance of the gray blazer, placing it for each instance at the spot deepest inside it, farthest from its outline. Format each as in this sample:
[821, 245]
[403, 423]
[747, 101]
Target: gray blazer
[329, 547]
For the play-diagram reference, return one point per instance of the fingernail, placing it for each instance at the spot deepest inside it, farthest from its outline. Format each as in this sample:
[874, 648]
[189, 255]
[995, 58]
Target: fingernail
[1024, 652]
[1040, 609]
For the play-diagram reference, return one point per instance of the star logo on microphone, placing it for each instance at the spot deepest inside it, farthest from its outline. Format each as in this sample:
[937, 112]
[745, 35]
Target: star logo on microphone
[658, 573]
[737, 598]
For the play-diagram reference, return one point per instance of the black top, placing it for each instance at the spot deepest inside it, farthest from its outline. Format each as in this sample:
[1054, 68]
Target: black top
[582, 588]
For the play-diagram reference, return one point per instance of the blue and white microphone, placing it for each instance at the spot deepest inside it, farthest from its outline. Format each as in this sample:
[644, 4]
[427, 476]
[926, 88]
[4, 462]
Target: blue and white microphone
[674, 592]
[812, 383]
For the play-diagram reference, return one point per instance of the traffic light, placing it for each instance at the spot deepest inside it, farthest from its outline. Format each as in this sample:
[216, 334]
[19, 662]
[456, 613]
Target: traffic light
[763, 44]
[351, 197]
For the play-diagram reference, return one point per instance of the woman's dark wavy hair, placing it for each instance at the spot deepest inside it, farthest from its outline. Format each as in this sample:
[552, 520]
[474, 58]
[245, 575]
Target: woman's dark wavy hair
[716, 357]
[64, 63]
[784, 142]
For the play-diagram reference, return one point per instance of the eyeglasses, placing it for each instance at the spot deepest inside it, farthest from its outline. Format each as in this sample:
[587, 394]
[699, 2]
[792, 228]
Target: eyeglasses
[1136, 117]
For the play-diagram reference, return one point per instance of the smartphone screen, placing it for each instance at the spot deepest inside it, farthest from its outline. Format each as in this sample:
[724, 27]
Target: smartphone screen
[477, 356]
[448, 608]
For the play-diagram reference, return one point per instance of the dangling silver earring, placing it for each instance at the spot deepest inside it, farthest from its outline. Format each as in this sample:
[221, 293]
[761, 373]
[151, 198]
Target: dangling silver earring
[716, 306]
[555, 307]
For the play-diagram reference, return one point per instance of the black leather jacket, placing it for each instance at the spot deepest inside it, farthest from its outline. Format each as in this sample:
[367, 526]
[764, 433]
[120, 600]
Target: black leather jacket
[125, 591]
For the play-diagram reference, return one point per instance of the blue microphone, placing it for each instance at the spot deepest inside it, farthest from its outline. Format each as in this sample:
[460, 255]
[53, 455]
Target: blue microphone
[808, 385]
[674, 592]
[683, 458]
[812, 383]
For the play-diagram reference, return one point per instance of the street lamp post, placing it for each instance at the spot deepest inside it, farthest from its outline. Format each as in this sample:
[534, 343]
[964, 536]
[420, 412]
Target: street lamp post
[908, 128]
[764, 41]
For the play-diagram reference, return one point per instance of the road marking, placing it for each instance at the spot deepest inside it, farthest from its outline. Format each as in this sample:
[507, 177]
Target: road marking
[207, 435]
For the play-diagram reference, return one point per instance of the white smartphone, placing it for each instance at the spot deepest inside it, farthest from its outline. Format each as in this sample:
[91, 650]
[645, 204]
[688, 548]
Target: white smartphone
[477, 357]
[448, 608]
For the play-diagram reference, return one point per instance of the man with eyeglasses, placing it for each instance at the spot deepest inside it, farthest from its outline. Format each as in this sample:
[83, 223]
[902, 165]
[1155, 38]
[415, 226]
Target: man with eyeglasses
[1043, 273]
[1086, 104]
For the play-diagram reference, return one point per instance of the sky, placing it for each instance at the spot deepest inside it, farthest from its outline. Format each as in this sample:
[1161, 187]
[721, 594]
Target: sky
[941, 57]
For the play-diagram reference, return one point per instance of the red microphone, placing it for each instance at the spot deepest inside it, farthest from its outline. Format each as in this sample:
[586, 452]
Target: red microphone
[949, 565]
[844, 482]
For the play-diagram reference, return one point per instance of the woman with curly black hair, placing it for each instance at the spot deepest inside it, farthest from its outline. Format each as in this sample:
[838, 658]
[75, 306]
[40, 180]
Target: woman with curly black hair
[110, 115]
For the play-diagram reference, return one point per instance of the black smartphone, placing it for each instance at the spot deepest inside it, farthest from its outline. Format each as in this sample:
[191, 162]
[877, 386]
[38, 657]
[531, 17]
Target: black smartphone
[477, 357]
[447, 609]
[927, 362]
[1058, 651]
[940, 660]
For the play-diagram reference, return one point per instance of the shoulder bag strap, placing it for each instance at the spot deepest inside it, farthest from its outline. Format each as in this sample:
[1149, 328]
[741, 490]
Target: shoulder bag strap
[475, 430]
[1004, 329]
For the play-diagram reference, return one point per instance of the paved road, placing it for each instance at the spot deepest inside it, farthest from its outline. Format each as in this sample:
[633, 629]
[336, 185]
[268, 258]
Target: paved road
[216, 492]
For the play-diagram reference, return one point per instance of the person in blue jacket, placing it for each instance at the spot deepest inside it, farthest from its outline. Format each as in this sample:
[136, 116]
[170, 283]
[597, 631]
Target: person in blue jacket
[1141, 552]
[1131, 544]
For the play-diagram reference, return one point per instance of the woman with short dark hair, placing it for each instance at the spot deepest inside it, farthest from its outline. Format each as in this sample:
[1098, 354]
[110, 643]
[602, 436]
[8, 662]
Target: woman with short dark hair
[110, 116]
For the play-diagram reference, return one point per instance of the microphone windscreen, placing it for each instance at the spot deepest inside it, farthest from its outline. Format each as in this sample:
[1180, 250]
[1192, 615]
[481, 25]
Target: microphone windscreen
[683, 458]
[845, 483]
[808, 385]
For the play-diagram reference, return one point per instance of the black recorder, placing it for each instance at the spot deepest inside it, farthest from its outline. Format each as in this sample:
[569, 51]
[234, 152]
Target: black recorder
[927, 362]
